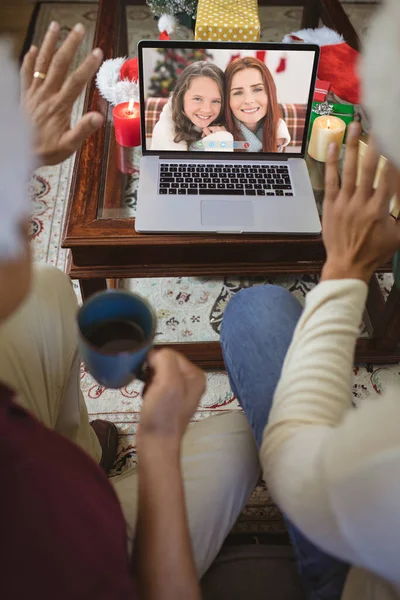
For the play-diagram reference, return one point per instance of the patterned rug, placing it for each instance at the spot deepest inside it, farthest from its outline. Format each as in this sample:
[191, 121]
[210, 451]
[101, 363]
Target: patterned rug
[188, 308]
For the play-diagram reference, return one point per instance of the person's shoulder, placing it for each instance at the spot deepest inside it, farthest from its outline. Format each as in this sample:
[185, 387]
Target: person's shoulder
[47, 507]
[283, 131]
[166, 113]
[164, 130]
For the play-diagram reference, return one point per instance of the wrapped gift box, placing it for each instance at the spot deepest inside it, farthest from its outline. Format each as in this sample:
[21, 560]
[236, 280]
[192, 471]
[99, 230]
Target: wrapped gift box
[321, 90]
[342, 111]
[227, 21]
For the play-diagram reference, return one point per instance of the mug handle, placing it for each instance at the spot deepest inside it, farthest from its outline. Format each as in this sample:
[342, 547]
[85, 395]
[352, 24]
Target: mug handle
[144, 373]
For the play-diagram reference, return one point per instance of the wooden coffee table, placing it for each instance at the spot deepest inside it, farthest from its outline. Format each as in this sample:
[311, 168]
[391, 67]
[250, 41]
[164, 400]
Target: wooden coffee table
[105, 246]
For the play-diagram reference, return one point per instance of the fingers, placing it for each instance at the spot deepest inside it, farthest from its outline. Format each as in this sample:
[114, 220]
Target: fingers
[384, 191]
[63, 57]
[27, 69]
[165, 366]
[369, 167]
[79, 78]
[171, 367]
[73, 138]
[351, 160]
[46, 52]
[332, 173]
[213, 129]
[195, 377]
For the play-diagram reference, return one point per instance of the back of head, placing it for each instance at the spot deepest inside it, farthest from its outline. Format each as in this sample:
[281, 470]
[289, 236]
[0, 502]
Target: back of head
[380, 79]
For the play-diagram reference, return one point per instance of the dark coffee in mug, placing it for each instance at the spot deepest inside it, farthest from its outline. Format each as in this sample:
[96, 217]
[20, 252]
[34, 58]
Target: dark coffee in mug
[117, 331]
[115, 335]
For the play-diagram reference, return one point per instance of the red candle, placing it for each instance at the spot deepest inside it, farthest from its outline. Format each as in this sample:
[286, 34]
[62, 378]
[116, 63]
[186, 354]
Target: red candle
[127, 123]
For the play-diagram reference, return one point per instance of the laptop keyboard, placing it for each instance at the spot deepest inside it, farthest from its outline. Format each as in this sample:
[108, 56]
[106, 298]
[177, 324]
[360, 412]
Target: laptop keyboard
[224, 180]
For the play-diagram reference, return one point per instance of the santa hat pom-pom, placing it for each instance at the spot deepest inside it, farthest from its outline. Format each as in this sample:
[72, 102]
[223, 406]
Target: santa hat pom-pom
[109, 82]
[108, 76]
[167, 23]
[125, 91]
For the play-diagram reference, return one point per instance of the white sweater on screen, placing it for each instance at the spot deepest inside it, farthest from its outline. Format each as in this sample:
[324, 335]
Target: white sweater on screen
[333, 469]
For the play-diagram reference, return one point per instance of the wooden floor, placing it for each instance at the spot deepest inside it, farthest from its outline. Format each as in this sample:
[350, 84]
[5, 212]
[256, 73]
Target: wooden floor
[15, 16]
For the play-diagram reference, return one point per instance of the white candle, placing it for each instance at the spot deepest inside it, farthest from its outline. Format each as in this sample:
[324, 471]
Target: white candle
[326, 130]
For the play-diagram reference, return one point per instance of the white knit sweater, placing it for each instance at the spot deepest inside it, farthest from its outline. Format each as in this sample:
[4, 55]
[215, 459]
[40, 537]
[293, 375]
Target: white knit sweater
[335, 470]
[164, 135]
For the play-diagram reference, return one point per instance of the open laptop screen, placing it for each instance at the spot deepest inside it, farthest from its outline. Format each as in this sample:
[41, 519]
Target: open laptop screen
[220, 99]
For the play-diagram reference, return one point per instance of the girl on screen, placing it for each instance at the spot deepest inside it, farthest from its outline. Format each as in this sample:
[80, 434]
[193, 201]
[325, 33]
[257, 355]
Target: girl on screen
[252, 112]
[193, 118]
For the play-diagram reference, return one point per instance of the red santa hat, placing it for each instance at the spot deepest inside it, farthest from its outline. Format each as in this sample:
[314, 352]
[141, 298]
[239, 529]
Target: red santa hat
[338, 61]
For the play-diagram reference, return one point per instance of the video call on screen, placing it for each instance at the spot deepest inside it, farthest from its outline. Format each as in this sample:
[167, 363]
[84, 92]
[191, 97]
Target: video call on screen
[226, 100]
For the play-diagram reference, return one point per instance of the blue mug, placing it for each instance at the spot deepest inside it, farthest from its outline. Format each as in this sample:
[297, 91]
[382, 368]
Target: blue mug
[116, 332]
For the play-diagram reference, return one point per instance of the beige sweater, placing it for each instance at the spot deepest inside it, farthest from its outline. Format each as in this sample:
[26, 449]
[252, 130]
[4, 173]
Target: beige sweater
[335, 470]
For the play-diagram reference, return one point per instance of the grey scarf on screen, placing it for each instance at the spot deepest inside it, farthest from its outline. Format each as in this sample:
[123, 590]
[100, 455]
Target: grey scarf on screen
[254, 139]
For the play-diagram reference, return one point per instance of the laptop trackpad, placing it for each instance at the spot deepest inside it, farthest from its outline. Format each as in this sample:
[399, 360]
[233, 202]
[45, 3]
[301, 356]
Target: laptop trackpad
[226, 213]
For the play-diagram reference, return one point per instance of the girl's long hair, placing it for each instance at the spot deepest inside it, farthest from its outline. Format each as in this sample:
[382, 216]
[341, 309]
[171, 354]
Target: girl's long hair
[271, 120]
[184, 128]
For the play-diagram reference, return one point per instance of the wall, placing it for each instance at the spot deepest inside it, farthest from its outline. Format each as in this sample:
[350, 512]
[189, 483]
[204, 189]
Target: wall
[292, 85]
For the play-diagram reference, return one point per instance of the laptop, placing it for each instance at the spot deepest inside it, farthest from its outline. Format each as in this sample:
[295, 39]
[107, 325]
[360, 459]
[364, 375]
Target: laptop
[224, 130]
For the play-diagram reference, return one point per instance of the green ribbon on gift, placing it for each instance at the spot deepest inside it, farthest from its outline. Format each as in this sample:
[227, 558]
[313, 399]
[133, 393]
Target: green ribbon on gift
[343, 111]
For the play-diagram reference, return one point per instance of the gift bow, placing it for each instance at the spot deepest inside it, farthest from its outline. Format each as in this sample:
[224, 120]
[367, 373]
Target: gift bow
[326, 109]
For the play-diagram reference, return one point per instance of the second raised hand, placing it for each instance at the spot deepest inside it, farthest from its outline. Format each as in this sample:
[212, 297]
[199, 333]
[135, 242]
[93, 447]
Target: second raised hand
[212, 129]
[358, 231]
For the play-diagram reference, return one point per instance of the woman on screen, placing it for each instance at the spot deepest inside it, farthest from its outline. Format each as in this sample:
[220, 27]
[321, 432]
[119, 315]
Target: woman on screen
[252, 112]
[193, 118]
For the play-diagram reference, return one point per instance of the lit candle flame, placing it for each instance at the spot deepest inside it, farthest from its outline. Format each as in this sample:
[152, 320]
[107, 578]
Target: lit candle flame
[328, 123]
[130, 106]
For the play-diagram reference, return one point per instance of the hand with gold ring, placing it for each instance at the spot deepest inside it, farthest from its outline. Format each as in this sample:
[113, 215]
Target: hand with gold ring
[48, 94]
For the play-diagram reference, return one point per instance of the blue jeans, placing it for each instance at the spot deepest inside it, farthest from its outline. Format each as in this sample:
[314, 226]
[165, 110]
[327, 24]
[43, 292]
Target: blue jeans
[256, 332]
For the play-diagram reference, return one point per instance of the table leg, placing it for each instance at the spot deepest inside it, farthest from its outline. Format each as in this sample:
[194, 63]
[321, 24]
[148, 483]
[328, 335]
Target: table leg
[375, 305]
[91, 286]
[387, 331]
[334, 16]
[310, 18]
[113, 284]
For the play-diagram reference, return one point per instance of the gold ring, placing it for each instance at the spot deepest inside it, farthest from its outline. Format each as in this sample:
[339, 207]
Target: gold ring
[39, 75]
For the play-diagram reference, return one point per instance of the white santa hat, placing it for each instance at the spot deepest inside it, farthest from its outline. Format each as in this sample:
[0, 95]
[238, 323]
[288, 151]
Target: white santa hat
[380, 81]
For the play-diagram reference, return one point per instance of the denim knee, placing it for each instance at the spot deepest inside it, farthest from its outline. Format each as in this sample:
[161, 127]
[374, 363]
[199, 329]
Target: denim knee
[259, 300]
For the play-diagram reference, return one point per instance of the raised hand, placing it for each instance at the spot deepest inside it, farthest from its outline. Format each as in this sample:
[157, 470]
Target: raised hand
[48, 94]
[212, 129]
[358, 231]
